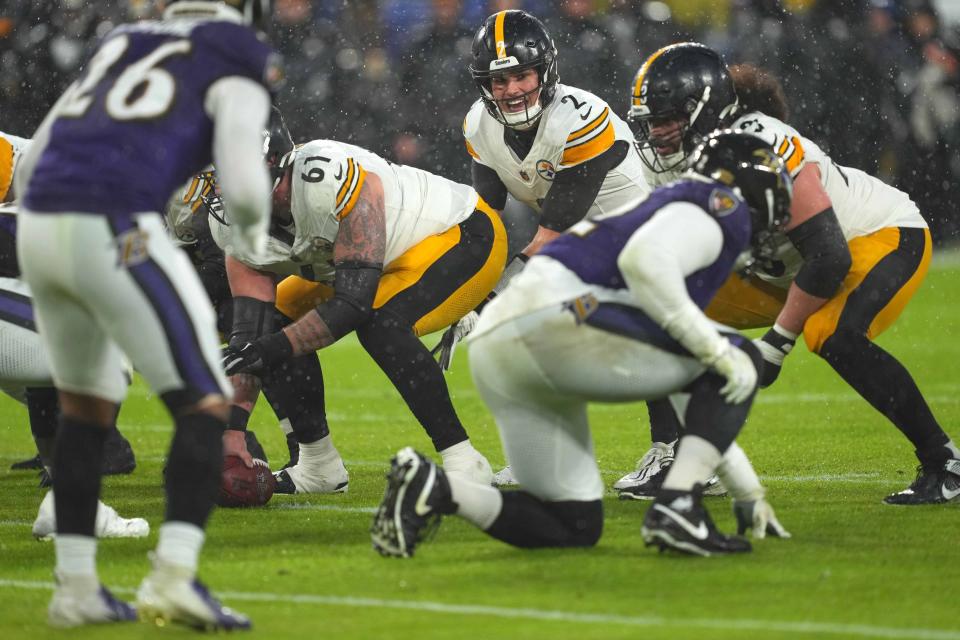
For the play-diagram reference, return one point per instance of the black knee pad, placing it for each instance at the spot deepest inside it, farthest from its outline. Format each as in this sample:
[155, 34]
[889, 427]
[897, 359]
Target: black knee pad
[528, 522]
[583, 520]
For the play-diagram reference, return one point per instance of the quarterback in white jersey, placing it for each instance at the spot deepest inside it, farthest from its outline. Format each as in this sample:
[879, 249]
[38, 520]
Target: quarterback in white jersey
[406, 253]
[854, 254]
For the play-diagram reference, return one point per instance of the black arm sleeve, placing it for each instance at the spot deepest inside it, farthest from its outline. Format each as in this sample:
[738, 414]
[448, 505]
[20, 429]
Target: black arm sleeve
[252, 319]
[575, 189]
[355, 287]
[826, 256]
[487, 183]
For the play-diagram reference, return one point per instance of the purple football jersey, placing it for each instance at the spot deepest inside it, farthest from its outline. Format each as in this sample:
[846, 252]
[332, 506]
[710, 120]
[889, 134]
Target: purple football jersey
[134, 128]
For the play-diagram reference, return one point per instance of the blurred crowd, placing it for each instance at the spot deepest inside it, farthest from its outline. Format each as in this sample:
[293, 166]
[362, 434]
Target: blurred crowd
[875, 82]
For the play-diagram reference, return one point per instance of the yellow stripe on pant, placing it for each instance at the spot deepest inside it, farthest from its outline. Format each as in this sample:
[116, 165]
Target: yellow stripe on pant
[296, 296]
[867, 252]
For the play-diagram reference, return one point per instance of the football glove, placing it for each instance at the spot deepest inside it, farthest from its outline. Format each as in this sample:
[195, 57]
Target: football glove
[737, 367]
[451, 337]
[775, 345]
[758, 516]
[256, 357]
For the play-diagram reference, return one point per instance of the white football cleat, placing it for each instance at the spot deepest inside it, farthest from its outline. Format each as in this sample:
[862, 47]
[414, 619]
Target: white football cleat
[74, 605]
[331, 477]
[504, 478]
[643, 482]
[109, 523]
[172, 594]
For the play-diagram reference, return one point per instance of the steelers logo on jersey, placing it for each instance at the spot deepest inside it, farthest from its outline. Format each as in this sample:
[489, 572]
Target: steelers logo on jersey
[546, 170]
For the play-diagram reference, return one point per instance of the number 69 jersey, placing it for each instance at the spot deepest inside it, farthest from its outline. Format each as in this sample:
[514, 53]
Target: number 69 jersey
[575, 127]
[137, 124]
[326, 180]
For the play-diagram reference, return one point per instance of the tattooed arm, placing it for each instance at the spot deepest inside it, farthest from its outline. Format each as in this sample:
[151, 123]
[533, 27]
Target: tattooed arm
[358, 255]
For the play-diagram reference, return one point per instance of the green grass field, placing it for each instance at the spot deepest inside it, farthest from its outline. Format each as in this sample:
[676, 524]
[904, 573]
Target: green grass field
[303, 566]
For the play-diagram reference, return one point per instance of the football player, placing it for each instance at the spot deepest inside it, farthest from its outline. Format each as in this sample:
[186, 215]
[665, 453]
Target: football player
[852, 257]
[157, 102]
[612, 311]
[406, 253]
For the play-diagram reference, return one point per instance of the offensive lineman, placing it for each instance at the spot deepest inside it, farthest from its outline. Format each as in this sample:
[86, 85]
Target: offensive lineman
[611, 311]
[153, 100]
[852, 257]
[407, 253]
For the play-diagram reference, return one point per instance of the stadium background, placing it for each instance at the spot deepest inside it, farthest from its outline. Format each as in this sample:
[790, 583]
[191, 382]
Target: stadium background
[875, 82]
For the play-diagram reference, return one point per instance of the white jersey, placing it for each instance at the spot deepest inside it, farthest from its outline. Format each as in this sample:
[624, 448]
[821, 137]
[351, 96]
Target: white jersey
[863, 204]
[575, 127]
[11, 149]
[327, 177]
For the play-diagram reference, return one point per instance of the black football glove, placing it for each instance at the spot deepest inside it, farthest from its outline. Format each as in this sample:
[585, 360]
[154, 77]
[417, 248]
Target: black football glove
[256, 357]
[775, 345]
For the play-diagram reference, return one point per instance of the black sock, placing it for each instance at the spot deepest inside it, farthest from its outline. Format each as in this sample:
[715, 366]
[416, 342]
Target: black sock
[415, 374]
[43, 407]
[295, 391]
[194, 467]
[887, 385]
[528, 522]
[664, 424]
[76, 475]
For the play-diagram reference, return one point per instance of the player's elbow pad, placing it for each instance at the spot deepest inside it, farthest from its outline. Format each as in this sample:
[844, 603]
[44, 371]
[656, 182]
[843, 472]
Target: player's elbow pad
[826, 256]
[355, 285]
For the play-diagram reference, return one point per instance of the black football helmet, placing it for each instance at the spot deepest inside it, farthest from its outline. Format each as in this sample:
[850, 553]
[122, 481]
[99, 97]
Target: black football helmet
[256, 13]
[685, 81]
[753, 170]
[279, 151]
[510, 41]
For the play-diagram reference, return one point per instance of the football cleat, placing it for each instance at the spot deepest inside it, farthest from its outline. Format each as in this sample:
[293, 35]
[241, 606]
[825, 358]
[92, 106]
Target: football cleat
[505, 478]
[417, 494]
[109, 523]
[118, 455]
[932, 486]
[644, 482]
[26, 465]
[172, 595]
[72, 607]
[678, 520]
[330, 477]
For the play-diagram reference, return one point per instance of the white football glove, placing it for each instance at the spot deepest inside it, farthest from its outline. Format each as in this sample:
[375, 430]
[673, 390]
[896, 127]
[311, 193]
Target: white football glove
[452, 336]
[251, 240]
[737, 367]
[758, 516]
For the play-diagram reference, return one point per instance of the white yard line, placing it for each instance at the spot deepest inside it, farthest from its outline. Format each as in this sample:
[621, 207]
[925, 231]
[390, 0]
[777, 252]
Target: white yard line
[549, 615]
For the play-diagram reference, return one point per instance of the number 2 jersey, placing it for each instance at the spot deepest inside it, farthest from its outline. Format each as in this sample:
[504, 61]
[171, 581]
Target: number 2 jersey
[135, 126]
[327, 177]
[575, 127]
[863, 204]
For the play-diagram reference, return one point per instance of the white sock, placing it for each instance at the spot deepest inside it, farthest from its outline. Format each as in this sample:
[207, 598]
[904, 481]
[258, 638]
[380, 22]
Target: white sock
[286, 427]
[76, 555]
[318, 453]
[179, 544]
[476, 503]
[457, 450]
[695, 461]
[954, 451]
[738, 475]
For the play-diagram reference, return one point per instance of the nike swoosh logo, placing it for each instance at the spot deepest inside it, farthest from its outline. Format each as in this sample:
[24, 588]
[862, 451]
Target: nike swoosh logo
[589, 111]
[949, 494]
[699, 532]
[421, 506]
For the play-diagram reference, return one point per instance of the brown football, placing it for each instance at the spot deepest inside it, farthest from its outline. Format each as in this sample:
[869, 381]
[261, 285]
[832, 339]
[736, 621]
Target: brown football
[243, 487]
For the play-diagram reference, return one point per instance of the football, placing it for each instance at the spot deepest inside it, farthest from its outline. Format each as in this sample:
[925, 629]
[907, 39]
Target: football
[243, 487]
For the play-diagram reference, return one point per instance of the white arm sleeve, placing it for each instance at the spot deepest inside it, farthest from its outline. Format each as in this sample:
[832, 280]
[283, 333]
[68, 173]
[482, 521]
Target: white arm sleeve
[240, 108]
[679, 239]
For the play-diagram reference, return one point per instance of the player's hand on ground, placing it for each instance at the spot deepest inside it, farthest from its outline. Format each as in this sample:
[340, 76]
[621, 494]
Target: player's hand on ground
[235, 444]
[737, 367]
[758, 516]
[452, 336]
[775, 345]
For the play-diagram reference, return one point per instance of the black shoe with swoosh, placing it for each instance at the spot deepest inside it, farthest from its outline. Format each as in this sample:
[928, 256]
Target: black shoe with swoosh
[934, 485]
[678, 520]
[417, 494]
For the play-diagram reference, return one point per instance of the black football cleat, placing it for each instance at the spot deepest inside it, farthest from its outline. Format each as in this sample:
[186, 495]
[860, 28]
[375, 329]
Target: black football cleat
[417, 494]
[28, 464]
[118, 458]
[678, 520]
[933, 485]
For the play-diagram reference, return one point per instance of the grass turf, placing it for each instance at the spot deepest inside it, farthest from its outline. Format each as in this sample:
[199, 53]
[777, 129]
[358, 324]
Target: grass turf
[303, 565]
